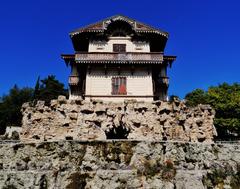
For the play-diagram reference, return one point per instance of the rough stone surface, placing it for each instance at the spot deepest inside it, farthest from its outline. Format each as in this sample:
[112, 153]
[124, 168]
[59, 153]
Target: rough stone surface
[96, 120]
[119, 164]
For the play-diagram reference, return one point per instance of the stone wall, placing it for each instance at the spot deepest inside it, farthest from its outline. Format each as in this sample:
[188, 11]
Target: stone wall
[119, 164]
[96, 120]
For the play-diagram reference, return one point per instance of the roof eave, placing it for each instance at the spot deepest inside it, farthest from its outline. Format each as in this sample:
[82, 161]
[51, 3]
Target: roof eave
[164, 34]
[86, 29]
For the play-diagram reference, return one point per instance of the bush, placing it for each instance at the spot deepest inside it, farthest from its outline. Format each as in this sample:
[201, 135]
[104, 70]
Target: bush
[168, 170]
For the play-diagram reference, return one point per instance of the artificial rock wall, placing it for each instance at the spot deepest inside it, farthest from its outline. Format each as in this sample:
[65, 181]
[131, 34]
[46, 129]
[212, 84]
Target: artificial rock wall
[96, 120]
[118, 165]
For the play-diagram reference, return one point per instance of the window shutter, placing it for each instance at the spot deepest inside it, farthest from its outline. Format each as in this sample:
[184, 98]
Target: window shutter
[119, 86]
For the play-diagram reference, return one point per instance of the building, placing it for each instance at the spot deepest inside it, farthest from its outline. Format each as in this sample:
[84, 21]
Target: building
[118, 58]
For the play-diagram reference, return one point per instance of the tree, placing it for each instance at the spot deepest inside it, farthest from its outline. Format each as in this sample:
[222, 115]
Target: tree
[225, 99]
[198, 96]
[10, 106]
[36, 89]
[49, 89]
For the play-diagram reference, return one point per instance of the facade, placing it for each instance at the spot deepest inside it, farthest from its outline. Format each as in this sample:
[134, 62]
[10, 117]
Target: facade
[118, 58]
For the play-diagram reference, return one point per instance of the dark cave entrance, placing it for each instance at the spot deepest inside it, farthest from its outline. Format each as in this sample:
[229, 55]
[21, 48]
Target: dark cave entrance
[119, 132]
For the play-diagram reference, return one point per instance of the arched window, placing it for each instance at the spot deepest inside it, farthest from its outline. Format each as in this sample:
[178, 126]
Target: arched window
[119, 28]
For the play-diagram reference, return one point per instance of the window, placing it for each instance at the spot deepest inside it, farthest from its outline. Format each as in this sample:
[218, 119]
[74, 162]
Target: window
[119, 85]
[119, 48]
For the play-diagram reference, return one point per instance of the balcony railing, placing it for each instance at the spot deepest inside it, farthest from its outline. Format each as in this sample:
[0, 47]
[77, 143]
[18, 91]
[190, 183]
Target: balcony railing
[73, 80]
[119, 57]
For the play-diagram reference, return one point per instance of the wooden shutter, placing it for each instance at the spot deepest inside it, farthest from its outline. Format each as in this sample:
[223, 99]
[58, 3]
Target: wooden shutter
[119, 85]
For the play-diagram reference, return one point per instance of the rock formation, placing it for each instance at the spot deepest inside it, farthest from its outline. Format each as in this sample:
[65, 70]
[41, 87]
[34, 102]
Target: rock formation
[167, 145]
[119, 164]
[96, 120]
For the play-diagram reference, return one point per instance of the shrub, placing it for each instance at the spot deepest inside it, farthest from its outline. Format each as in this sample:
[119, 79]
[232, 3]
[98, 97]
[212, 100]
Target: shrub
[168, 170]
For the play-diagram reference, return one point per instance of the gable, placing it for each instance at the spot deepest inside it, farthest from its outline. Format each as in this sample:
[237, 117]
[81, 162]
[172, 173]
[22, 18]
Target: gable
[102, 26]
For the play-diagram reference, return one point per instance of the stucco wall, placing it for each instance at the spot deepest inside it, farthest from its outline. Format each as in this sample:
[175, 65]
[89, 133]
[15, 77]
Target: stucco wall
[107, 46]
[138, 84]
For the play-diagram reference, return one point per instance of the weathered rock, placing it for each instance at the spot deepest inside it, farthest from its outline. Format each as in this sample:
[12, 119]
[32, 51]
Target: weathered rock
[77, 119]
[189, 179]
[62, 99]
[118, 164]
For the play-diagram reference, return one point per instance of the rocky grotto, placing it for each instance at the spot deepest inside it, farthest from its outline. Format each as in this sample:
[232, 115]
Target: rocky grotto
[97, 120]
[77, 144]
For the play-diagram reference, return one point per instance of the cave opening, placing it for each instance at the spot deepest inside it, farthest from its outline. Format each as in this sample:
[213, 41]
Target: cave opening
[119, 132]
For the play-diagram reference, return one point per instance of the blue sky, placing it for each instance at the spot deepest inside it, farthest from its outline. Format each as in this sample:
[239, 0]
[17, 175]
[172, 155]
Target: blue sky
[204, 34]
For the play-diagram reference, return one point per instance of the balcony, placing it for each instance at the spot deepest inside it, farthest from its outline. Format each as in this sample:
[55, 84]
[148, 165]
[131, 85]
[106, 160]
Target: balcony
[73, 80]
[119, 57]
[164, 81]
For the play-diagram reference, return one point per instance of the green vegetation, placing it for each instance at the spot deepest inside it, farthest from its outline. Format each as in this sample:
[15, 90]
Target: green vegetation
[150, 168]
[218, 176]
[225, 99]
[235, 181]
[10, 105]
[168, 170]
[49, 88]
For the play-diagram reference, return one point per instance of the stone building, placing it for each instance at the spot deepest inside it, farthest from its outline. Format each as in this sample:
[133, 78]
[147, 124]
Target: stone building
[118, 58]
